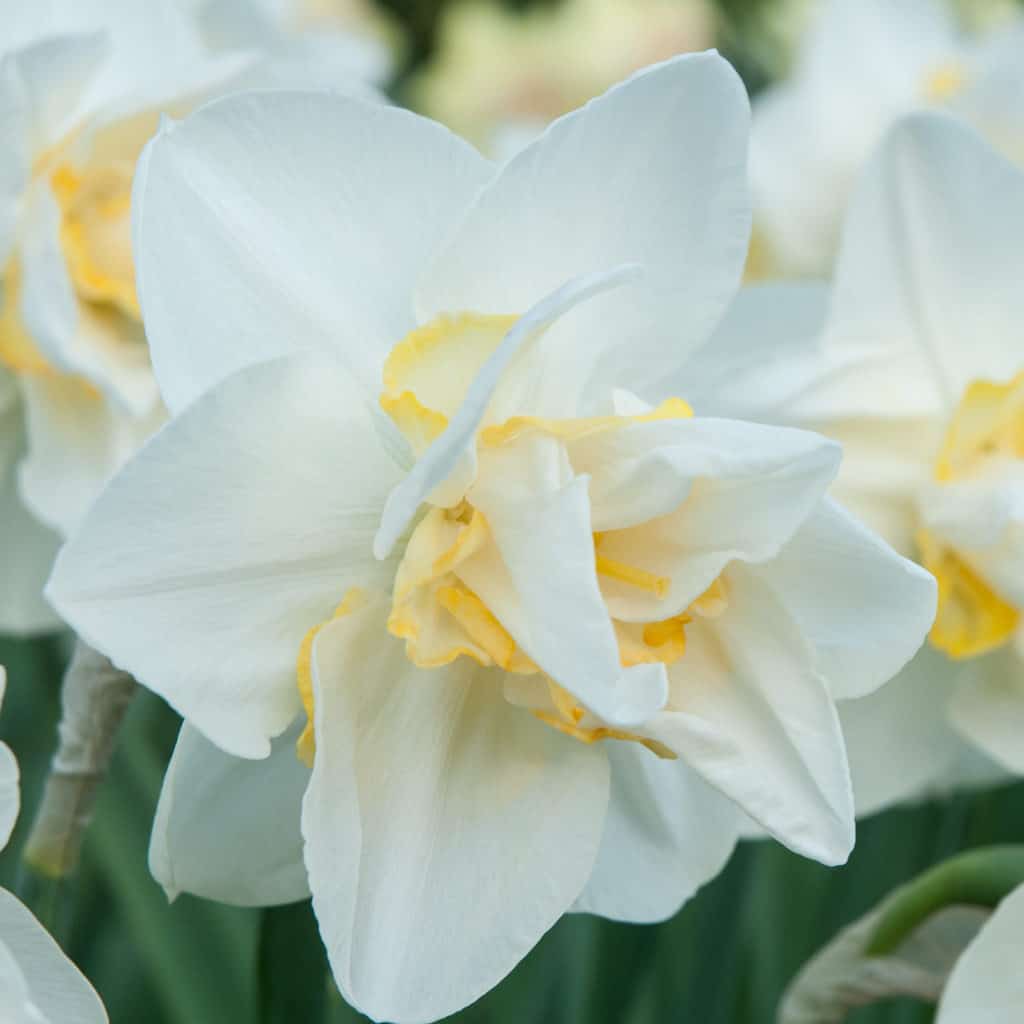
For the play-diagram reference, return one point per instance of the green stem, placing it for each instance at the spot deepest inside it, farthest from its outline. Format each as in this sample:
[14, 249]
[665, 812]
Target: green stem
[980, 877]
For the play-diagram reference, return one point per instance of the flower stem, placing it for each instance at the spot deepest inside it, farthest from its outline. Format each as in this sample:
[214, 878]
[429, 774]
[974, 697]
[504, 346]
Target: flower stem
[980, 877]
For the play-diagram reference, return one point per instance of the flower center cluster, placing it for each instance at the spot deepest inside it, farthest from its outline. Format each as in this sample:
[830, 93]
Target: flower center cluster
[451, 557]
[985, 434]
[95, 237]
[944, 82]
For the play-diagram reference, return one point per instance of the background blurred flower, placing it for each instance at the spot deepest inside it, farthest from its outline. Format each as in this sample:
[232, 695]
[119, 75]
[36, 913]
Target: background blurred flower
[914, 363]
[82, 85]
[309, 43]
[499, 76]
[861, 65]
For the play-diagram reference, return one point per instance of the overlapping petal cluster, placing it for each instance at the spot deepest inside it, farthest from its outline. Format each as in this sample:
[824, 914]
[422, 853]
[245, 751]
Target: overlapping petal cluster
[912, 360]
[82, 86]
[434, 506]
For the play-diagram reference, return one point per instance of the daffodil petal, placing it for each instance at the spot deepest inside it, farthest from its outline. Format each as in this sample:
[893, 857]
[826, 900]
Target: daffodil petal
[987, 985]
[69, 336]
[227, 828]
[667, 833]
[445, 830]
[772, 360]
[751, 488]
[276, 221]
[254, 538]
[455, 446]
[10, 792]
[987, 707]
[750, 714]
[76, 442]
[55, 986]
[558, 618]
[934, 224]
[901, 742]
[653, 172]
[982, 519]
[865, 609]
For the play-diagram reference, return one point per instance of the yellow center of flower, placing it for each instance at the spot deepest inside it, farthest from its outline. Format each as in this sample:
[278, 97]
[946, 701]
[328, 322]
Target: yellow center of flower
[988, 425]
[95, 236]
[434, 609]
[944, 82]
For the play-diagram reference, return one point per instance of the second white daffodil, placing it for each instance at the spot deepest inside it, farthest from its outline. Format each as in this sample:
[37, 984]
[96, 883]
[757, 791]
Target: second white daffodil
[543, 644]
[914, 362]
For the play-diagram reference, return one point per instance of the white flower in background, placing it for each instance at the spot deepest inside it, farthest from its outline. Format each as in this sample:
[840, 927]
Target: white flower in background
[863, 64]
[38, 983]
[915, 363]
[987, 984]
[82, 84]
[330, 43]
[598, 632]
[499, 76]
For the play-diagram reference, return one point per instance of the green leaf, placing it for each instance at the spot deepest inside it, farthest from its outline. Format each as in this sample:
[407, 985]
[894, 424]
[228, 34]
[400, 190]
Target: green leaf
[292, 966]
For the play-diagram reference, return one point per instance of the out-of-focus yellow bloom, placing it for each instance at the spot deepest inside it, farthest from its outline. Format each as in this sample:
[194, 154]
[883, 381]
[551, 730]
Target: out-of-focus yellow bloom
[498, 77]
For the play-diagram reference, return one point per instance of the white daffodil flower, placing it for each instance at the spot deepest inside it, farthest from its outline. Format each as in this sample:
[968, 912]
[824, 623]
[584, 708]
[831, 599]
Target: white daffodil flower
[862, 65]
[38, 983]
[82, 84]
[987, 984]
[915, 364]
[543, 644]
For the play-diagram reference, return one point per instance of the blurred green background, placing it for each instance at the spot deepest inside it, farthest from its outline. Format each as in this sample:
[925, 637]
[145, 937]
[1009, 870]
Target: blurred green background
[725, 959]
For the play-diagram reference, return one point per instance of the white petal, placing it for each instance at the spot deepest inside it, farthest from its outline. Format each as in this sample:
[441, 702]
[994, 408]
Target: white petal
[28, 548]
[752, 487]
[445, 830]
[455, 445]
[74, 339]
[10, 792]
[237, 527]
[993, 96]
[15, 999]
[987, 984]
[227, 828]
[988, 708]
[270, 222]
[653, 172]
[750, 714]
[982, 519]
[77, 440]
[55, 985]
[773, 360]
[42, 78]
[865, 609]
[877, 46]
[559, 619]
[900, 741]
[667, 833]
[932, 235]
[862, 64]
[764, 355]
